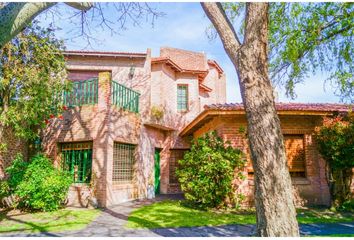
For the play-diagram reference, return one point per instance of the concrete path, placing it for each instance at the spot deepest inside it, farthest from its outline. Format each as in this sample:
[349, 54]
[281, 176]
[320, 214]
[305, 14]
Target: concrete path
[111, 224]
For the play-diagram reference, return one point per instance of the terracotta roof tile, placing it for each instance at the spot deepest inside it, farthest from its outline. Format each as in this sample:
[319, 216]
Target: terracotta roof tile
[187, 60]
[321, 107]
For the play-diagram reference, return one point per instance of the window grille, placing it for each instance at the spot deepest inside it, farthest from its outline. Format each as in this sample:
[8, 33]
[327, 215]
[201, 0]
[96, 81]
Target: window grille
[123, 163]
[182, 98]
[77, 159]
[175, 156]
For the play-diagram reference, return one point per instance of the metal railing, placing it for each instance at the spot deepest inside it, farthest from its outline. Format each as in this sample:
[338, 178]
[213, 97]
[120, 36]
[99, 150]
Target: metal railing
[124, 97]
[82, 93]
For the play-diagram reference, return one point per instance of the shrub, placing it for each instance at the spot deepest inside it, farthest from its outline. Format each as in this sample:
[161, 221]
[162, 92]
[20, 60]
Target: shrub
[206, 172]
[336, 144]
[38, 185]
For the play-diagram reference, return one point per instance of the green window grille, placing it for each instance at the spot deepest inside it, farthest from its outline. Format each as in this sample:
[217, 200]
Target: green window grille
[175, 156]
[124, 97]
[77, 159]
[123, 163]
[82, 93]
[182, 98]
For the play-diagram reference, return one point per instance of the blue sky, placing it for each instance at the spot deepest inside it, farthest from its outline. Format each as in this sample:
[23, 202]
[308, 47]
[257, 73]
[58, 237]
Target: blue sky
[183, 26]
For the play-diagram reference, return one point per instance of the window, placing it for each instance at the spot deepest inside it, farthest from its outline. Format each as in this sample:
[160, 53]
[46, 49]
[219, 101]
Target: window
[295, 153]
[182, 98]
[175, 156]
[77, 159]
[123, 163]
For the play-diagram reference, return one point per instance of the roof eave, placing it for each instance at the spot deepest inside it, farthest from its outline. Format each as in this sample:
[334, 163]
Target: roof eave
[207, 112]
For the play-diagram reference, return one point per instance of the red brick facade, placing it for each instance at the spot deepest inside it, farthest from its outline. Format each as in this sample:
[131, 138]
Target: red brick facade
[156, 79]
[306, 166]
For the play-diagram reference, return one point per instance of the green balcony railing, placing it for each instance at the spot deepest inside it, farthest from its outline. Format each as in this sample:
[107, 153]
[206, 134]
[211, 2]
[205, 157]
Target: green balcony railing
[125, 98]
[82, 93]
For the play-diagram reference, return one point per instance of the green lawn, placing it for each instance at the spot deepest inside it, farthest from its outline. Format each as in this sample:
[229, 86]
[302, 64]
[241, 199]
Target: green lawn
[61, 220]
[175, 214]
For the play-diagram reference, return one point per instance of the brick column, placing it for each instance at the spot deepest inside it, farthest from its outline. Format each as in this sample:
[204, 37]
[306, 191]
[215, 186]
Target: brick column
[102, 145]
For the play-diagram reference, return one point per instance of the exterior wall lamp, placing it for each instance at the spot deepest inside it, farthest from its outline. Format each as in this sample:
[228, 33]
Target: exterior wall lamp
[131, 72]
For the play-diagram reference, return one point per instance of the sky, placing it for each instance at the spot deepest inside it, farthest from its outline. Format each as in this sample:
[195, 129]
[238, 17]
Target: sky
[182, 26]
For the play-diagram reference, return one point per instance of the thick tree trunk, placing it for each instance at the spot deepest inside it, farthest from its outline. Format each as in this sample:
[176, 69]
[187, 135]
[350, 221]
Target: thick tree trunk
[14, 17]
[276, 215]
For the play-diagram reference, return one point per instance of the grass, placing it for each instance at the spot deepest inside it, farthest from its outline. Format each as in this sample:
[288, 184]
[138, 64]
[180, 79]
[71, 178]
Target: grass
[176, 214]
[61, 220]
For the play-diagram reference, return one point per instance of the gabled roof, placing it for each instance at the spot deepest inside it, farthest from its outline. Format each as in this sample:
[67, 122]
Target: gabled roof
[187, 60]
[314, 109]
[216, 65]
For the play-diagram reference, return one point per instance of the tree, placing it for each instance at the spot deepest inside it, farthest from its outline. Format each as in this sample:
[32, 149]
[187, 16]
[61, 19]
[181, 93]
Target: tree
[336, 144]
[307, 37]
[293, 39]
[32, 78]
[276, 215]
[14, 17]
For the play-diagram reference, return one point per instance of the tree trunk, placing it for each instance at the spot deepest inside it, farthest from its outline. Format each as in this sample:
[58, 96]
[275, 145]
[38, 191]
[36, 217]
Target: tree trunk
[276, 215]
[339, 185]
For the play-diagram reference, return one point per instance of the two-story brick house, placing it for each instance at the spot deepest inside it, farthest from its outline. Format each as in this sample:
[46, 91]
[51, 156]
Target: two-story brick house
[131, 118]
[109, 137]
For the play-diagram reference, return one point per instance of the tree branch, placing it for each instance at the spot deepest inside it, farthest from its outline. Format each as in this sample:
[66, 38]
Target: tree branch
[223, 26]
[15, 16]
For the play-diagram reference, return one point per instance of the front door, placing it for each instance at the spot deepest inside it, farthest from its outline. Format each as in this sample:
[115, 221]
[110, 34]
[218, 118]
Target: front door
[157, 171]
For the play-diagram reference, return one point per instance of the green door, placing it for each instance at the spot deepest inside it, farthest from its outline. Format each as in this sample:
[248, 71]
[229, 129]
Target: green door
[157, 171]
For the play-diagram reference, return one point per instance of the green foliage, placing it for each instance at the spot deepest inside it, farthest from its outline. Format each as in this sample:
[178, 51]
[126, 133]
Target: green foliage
[336, 144]
[32, 77]
[306, 37]
[207, 171]
[37, 184]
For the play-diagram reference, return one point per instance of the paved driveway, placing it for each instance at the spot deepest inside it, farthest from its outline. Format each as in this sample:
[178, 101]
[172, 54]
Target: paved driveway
[111, 224]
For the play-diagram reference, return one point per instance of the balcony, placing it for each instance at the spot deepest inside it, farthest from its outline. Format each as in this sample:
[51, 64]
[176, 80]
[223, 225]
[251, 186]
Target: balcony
[86, 93]
[125, 98]
[82, 93]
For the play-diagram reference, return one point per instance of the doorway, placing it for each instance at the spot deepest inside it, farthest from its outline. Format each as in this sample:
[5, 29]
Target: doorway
[157, 171]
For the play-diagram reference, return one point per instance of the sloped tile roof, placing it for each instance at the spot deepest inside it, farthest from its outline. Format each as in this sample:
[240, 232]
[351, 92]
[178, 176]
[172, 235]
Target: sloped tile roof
[321, 107]
[187, 60]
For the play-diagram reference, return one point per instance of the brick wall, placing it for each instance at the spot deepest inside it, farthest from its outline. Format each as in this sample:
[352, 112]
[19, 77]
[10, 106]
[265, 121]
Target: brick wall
[309, 190]
[14, 145]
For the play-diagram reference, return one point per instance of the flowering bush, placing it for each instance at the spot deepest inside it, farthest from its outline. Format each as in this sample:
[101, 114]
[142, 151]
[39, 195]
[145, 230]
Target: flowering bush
[335, 141]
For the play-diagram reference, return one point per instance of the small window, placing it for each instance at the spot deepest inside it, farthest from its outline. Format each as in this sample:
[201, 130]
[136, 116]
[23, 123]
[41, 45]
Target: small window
[295, 154]
[123, 163]
[182, 98]
[77, 159]
[175, 156]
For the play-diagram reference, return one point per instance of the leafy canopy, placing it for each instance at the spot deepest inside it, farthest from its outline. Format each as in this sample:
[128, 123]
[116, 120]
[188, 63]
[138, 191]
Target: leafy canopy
[307, 38]
[335, 141]
[207, 171]
[32, 77]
